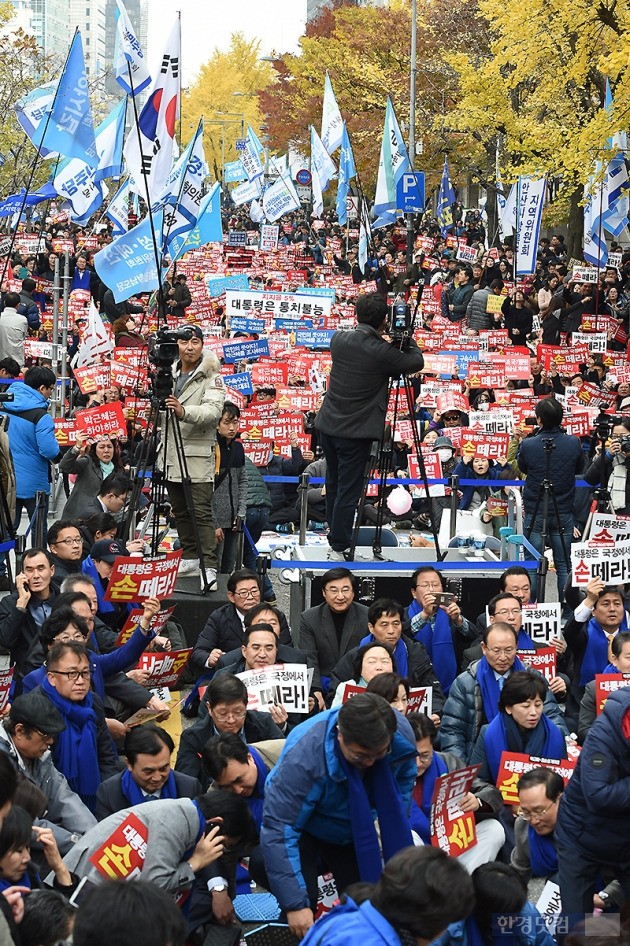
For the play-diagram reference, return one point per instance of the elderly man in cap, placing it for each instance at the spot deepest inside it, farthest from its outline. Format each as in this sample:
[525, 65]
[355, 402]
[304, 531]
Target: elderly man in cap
[99, 565]
[26, 736]
[195, 406]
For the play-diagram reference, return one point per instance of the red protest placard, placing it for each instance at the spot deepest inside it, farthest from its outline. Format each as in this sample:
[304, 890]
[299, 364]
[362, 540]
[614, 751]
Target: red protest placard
[65, 432]
[577, 423]
[515, 764]
[440, 364]
[566, 360]
[452, 401]
[478, 443]
[543, 660]
[6, 678]
[451, 829]
[158, 622]
[107, 420]
[516, 367]
[420, 700]
[91, 378]
[270, 373]
[607, 683]
[127, 377]
[122, 855]
[481, 375]
[258, 451]
[350, 690]
[130, 356]
[135, 579]
[164, 669]
[592, 396]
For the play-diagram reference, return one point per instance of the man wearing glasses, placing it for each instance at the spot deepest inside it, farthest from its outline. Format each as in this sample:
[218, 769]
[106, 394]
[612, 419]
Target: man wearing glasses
[474, 696]
[23, 612]
[225, 628]
[336, 770]
[535, 853]
[226, 698]
[83, 751]
[66, 548]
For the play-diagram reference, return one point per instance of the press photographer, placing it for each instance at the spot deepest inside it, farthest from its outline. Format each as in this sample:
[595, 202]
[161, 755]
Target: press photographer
[353, 413]
[196, 401]
[610, 467]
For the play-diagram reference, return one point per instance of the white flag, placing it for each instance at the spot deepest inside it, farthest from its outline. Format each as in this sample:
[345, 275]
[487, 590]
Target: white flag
[96, 344]
[332, 122]
[151, 157]
[363, 236]
[279, 199]
[242, 194]
[183, 191]
[321, 160]
[129, 57]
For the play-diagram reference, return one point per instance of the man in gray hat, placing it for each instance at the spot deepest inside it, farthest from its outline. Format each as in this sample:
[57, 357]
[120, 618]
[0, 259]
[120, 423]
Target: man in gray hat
[26, 736]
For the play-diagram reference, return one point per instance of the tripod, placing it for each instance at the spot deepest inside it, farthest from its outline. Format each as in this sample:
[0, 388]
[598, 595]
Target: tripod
[150, 458]
[382, 460]
[602, 496]
[545, 493]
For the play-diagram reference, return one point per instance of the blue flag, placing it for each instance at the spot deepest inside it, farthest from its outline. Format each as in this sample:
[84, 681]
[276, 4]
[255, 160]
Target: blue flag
[31, 111]
[446, 199]
[118, 209]
[347, 171]
[128, 265]
[12, 204]
[70, 130]
[208, 228]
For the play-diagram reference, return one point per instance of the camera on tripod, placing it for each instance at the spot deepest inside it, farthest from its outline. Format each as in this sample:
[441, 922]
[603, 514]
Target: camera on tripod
[164, 352]
[400, 322]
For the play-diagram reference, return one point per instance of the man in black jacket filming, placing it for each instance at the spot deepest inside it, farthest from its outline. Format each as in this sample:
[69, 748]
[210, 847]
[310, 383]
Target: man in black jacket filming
[353, 413]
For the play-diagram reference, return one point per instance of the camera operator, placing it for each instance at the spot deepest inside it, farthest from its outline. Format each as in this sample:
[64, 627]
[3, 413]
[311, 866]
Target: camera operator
[567, 460]
[610, 466]
[197, 402]
[353, 413]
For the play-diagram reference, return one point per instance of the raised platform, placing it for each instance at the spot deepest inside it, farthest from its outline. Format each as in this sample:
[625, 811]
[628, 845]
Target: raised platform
[194, 608]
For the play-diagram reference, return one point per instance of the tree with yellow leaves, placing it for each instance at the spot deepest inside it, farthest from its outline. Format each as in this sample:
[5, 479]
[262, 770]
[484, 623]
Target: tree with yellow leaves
[225, 93]
[538, 89]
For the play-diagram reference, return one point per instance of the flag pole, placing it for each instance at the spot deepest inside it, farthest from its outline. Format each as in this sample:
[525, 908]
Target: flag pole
[599, 243]
[158, 263]
[34, 165]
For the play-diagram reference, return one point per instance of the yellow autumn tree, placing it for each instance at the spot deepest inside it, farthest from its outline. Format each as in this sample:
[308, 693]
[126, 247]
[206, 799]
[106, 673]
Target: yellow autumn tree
[538, 90]
[225, 93]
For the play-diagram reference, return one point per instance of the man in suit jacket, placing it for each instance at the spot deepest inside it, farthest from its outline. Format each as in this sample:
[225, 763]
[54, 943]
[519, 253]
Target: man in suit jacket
[353, 413]
[331, 629]
[148, 777]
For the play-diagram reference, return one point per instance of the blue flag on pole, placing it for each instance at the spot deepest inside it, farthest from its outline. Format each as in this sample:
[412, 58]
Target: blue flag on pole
[208, 228]
[70, 130]
[118, 209]
[31, 111]
[347, 171]
[128, 55]
[128, 265]
[446, 199]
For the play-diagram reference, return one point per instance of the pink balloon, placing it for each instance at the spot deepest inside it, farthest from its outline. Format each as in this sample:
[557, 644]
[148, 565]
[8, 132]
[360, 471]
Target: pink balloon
[399, 501]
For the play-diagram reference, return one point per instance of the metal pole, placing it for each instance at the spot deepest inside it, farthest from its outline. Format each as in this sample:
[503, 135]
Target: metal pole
[412, 122]
[55, 408]
[64, 335]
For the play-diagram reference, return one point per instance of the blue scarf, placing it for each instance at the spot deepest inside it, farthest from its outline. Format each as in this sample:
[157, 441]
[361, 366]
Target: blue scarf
[413, 609]
[395, 832]
[256, 801]
[74, 752]
[89, 568]
[504, 735]
[489, 686]
[420, 812]
[24, 881]
[133, 793]
[400, 654]
[524, 641]
[438, 643]
[610, 668]
[596, 653]
[474, 936]
[543, 856]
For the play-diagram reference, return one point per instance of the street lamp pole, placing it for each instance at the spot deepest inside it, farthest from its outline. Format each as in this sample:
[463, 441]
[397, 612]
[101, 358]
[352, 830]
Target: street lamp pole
[412, 121]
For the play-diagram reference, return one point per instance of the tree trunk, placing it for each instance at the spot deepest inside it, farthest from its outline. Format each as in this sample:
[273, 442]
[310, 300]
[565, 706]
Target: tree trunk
[575, 235]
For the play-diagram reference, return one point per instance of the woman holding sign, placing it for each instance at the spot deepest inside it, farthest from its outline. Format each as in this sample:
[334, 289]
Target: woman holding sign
[91, 462]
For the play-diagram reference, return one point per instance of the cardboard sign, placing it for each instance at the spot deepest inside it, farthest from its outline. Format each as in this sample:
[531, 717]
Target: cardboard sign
[494, 304]
[144, 715]
[452, 830]
[584, 274]
[157, 624]
[591, 396]
[6, 679]
[65, 432]
[567, 360]
[164, 668]
[135, 579]
[122, 855]
[327, 896]
[542, 621]
[277, 304]
[607, 529]
[350, 690]
[499, 421]
[452, 401]
[269, 237]
[420, 700]
[107, 420]
[481, 375]
[578, 424]
[595, 342]
[286, 684]
[440, 364]
[549, 906]
[497, 507]
[127, 377]
[610, 563]
[515, 764]
[91, 378]
[244, 351]
[542, 660]
[478, 443]
[433, 469]
[607, 683]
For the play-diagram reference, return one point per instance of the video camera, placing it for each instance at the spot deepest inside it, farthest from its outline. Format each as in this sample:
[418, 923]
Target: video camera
[400, 322]
[163, 353]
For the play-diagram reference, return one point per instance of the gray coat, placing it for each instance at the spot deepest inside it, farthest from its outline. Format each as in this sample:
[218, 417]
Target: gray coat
[66, 815]
[172, 829]
[318, 638]
[464, 716]
[202, 399]
[478, 318]
[87, 484]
